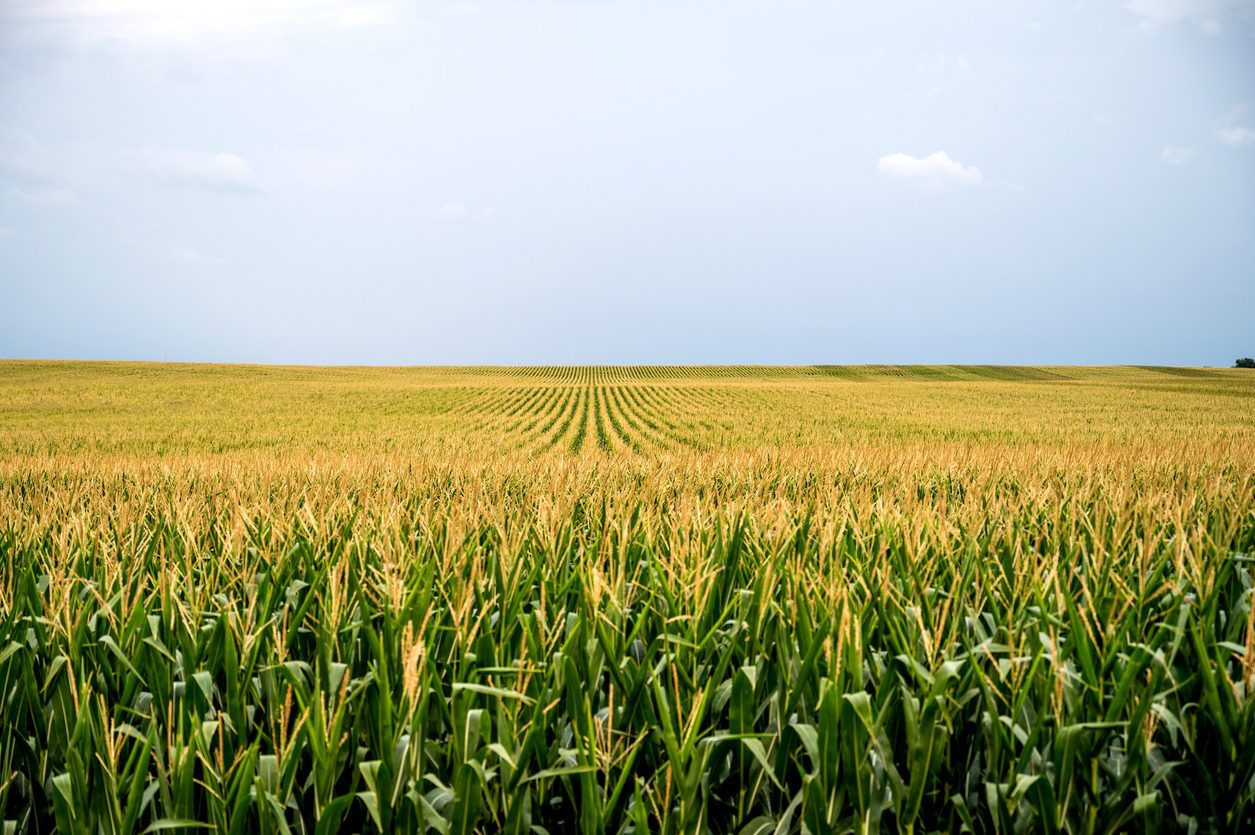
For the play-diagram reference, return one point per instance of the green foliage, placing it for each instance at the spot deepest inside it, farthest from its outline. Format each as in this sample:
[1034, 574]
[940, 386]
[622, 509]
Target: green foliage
[1067, 666]
[1244, 362]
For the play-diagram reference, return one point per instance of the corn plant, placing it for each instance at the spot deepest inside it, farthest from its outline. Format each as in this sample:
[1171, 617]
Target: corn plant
[533, 649]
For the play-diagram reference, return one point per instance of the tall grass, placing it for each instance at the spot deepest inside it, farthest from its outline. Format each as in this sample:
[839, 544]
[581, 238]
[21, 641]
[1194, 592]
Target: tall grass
[905, 638]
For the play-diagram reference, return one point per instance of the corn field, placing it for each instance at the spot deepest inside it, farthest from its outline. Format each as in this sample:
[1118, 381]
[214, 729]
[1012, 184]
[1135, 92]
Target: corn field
[637, 603]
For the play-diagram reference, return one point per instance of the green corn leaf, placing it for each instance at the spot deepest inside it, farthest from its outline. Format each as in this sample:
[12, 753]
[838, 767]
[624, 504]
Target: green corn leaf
[965, 815]
[68, 813]
[491, 691]
[466, 794]
[332, 813]
[371, 801]
[239, 796]
[815, 812]
[174, 823]
[570, 771]
[108, 641]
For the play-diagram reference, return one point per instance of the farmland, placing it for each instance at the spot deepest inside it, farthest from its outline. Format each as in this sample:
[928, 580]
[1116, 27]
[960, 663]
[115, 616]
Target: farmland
[606, 599]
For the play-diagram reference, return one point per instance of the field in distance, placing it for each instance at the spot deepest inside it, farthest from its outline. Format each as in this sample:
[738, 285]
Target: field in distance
[159, 408]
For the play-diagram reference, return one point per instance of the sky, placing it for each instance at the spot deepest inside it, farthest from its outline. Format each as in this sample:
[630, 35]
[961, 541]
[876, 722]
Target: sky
[628, 181]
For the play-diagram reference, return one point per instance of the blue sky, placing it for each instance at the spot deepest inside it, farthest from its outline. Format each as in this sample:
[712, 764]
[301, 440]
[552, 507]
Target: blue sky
[633, 181]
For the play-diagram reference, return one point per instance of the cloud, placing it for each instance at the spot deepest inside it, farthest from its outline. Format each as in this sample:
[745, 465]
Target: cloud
[1206, 12]
[191, 256]
[1176, 156]
[931, 173]
[43, 197]
[451, 212]
[217, 172]
[1235, 136]
[163, 22]
[319, 170]
[6, 232]
[23, 159]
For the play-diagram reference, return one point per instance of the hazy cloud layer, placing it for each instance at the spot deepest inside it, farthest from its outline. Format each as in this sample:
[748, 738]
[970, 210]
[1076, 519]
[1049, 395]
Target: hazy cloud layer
[42, 197]
[215, 172]
[191, 256]
[23, 159]
[320, 170]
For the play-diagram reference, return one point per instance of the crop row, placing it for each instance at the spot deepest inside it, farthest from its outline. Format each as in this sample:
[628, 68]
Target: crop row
[682, 374]
[580, 418]
[158, 410]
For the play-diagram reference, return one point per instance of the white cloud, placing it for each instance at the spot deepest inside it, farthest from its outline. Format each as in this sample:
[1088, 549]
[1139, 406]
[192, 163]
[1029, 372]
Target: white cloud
[164, 21]
[319, 170]
[6, 232]
[1176, 156]
[191, 256]
[43, 197]
[931, 173]
[1235, 137]
[1207, 12]
[22, 158]
[216, 172]
[451, 212]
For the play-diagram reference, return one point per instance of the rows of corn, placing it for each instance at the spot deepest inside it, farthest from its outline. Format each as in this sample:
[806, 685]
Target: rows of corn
[67, 409]
[900, 640]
